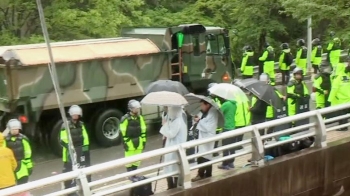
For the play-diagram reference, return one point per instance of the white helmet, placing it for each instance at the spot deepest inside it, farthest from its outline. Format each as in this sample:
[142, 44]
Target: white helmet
[75, 110]
[132, 104]
[14, 124]
[264, 77]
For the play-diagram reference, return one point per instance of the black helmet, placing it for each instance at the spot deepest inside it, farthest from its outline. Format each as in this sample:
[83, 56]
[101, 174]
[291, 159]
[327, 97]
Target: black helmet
[247, 48]
[315, 42]
[266, 44]
[284, 46]
[301, 42]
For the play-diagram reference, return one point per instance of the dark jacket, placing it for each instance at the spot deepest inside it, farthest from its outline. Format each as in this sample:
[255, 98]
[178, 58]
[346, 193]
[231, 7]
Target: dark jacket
[258, 111]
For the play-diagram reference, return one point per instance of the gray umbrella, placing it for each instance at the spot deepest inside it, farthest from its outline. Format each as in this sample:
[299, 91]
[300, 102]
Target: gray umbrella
[167, 85]
[194, 102]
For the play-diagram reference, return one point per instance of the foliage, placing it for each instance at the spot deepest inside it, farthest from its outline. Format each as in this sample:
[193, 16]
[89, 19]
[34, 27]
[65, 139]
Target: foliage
[251, 22]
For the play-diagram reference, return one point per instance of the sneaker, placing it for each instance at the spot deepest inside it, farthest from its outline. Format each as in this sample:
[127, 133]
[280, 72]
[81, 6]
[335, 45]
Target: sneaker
[231, 165]
[225, 167]
[197, 178]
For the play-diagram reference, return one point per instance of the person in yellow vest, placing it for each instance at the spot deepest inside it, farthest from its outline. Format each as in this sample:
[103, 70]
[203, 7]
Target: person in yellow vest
[285, 60]
[270, 114]
[301, 57]
[296, 90]
[316, 56]
[334, 51]
[20, 146]
[268, 57]
[133, 129]
[218, 102]
[322, 86]
[340, 93]
[247, 66]
[80, 141]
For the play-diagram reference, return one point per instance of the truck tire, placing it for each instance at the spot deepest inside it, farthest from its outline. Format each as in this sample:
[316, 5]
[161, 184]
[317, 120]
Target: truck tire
[106, 128]
[55, 138]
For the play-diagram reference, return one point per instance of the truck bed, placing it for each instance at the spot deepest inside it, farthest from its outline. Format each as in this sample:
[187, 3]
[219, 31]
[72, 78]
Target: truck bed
[88, 71]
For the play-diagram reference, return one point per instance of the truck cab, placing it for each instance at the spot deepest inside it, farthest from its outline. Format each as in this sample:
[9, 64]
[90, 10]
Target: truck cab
[200, 54]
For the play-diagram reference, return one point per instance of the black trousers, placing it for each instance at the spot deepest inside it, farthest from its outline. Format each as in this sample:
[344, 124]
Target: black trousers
[67, 167]
[285, 76]
[217, 142]
[206, 171]
[172, 182]
[270, 129]
[132, 168]
[254, 122]
[246, 76]
[315, 68]
[23, 180]
[343, 121]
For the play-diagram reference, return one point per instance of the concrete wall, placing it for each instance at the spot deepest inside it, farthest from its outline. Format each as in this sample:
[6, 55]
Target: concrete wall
[312, 172]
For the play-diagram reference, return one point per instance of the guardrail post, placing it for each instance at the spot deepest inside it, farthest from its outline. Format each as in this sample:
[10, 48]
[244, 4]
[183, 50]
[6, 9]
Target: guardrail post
[321, 133]
[185, 172]
[83, 184]
[257, 148]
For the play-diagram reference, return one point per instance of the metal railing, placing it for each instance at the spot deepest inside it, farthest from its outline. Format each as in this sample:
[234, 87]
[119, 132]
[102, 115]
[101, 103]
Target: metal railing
[343, 54]
[316, 128]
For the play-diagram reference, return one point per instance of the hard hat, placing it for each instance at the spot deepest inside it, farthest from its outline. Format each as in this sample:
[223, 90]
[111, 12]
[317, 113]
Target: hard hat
[132, 104]
[315, 42]
[301, 42]
[248, 48]
[264, 77]
[284, 46]
[14, 124]
[326, 69]
[297, 70]
[211, 85]
[75, 110]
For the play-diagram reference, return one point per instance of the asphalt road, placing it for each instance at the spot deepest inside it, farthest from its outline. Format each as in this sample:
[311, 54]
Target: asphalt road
[47, 165]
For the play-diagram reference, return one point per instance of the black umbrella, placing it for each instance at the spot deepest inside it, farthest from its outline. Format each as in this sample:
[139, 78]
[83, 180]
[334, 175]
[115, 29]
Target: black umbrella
[167, 85]
[263, 91]
[194, 103]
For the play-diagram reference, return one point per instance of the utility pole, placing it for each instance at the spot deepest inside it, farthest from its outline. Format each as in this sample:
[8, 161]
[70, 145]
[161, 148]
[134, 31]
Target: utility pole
[309, 46]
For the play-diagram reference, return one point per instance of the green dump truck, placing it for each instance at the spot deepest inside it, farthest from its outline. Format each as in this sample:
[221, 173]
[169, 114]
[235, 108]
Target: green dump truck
[101, 75]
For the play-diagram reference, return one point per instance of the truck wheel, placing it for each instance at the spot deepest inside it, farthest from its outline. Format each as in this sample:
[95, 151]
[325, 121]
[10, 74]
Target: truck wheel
[55, 138]
[107, 128]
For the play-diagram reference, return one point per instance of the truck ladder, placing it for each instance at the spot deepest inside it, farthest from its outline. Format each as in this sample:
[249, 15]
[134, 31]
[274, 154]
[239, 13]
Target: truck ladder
[178, 65]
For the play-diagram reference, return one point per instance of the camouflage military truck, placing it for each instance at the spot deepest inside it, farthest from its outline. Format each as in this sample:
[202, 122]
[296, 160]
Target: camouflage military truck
[101, 75]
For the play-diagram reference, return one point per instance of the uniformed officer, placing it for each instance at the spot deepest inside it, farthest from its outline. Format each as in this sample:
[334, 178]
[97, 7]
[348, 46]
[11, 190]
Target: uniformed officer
[19, 144]
[133, 129]
[218, 130]
[322, 86]
[247, 66]
[285, 60]
[334, 50]
[296, 91]
[270, 111]
[80, 141]
[301, 58]
[340, 93]
[268, 57]
[316, 55]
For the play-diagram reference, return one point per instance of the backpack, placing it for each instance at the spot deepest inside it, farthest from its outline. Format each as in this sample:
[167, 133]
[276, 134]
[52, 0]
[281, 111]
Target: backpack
[143, 190]
[288, 58]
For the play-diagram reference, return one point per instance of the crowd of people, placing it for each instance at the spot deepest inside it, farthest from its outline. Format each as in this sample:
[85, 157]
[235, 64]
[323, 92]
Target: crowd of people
[331, 87]
[286, 58]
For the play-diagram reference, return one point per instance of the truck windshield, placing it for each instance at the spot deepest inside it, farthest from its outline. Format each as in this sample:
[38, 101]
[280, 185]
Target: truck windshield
[215, 44]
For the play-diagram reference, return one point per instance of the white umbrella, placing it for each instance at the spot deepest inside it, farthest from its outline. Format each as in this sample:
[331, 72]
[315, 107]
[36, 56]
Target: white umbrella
[164, 98]
[229, 92]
